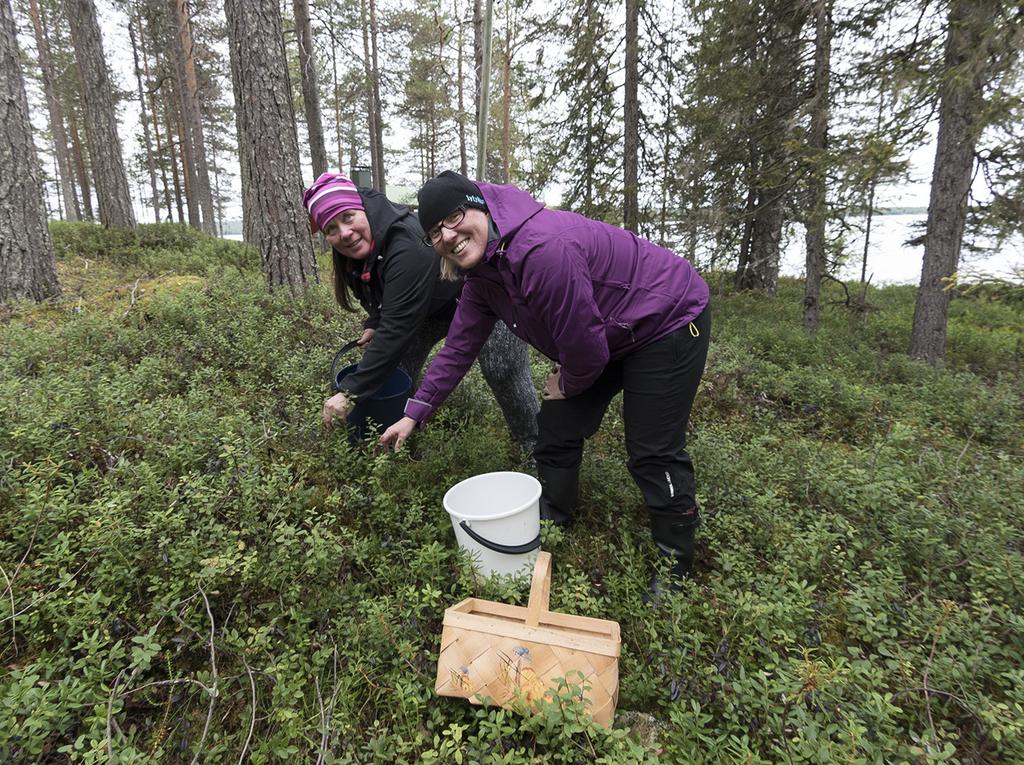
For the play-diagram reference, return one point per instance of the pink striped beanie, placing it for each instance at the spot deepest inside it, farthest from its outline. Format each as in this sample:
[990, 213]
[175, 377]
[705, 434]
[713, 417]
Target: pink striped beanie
[330, 195]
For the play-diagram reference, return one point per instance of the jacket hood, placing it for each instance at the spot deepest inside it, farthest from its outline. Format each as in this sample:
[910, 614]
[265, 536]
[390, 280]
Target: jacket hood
[382, 214]
[510, 207]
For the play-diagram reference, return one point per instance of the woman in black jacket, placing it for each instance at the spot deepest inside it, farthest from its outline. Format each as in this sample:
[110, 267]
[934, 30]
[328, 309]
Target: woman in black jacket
[380, 257]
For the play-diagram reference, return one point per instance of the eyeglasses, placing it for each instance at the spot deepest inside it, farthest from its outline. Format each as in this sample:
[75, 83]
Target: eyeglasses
[453, 219]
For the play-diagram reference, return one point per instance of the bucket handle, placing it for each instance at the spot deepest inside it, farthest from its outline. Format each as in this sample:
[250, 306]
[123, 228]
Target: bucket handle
[530, 546]
[344, 349]
[540, 589]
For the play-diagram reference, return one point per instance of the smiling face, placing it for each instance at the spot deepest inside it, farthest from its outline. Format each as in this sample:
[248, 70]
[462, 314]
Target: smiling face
[465, 242]
[349, 233]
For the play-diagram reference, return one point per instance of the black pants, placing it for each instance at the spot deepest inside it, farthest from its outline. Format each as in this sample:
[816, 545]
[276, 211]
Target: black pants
[659, 383]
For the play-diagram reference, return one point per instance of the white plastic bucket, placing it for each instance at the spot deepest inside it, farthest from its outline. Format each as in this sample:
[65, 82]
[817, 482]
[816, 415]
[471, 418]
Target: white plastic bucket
[496, 517]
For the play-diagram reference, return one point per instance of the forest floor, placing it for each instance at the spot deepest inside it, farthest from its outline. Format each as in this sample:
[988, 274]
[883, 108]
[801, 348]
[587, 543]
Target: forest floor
[194, 571]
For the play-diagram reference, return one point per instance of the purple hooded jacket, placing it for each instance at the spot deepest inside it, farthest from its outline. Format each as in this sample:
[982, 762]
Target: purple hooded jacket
[580, 291]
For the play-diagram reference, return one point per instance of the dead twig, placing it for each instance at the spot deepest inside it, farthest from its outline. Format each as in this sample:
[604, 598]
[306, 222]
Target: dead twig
[110, 717]
[131, 305]
[252, 719]
[17, 569]
[212, 690]
[14, 624]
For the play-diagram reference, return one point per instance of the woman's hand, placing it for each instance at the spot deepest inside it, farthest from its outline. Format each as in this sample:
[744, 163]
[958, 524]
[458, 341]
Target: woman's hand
[337, 406]
[552, 386]
[398, 433]
[366, 337]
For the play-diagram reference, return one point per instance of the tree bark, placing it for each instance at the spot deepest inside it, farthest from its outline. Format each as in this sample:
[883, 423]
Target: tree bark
[631, 120]
[115, 204]
[380, 175]
[194, 116]
[506, 104]
[816, 144]
[337, 111]
[371, 76]
[144, 114]
[310, 90]
[964, 75]
[269, 149]
[463, 154]
[478, 51]
[188, 110]
[56, 112]
[159, 144]
[761, 270]
[28, 267]
[173, 154]
[81, 171]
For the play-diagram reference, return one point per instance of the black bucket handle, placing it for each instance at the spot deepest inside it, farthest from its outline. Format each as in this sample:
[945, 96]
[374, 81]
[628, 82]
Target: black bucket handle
[500, 548]
[344, 349]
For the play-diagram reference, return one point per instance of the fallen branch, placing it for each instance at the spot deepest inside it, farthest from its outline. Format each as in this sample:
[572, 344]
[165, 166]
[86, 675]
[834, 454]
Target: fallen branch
[131, 305]
[212, 690]
[252, 719]
[14, 624]
[110, 717]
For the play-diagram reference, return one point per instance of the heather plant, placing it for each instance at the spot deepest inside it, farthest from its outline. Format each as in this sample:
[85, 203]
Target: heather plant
[193, 570]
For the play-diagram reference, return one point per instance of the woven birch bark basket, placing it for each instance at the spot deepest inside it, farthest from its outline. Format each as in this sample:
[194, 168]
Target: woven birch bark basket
[505, 653]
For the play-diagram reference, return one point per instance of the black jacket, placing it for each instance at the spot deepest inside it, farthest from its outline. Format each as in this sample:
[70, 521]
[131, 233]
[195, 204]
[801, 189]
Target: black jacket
[402, 290]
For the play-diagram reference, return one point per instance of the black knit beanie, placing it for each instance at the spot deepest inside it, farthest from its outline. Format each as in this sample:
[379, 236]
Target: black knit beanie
[439, 197]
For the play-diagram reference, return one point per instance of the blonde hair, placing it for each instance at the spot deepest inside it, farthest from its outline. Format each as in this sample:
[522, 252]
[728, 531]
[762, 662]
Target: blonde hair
[449, 271]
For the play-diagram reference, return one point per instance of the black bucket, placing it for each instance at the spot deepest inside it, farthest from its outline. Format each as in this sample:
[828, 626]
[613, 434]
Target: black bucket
[382, 409]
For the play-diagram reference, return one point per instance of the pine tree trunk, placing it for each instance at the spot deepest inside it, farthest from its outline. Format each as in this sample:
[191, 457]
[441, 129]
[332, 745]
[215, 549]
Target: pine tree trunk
[962, 100]
[192, 113]
[144, 114]
[631, 120]
[173, 155]
[115, 204]
[506, 106]
[379, 173]
[816, 145]
[188, 170]
[371, 74]
[28, 268]
[185, 115]
[478, 51]
[56, 113]
[762, 266]
[463, 153]
[81, 171]
[269, 151]
[337, 112]
[310, 91]
[249, 203]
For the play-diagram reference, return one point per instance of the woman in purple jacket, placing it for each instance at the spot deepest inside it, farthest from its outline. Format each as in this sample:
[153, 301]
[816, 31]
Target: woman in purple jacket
[613, 311]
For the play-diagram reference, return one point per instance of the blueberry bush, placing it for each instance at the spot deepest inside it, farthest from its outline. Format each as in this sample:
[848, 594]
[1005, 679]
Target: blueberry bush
[194, 571]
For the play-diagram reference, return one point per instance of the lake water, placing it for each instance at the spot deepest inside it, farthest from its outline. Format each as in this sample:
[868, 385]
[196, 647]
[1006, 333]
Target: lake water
[892, 261]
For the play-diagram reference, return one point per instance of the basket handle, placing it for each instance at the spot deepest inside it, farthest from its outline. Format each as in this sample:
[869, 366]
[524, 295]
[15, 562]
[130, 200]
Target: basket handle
[344, 349]
[540, 589]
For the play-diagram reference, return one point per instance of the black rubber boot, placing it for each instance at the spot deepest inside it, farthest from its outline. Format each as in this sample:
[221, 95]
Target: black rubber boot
[674, 536]
[560, 491]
